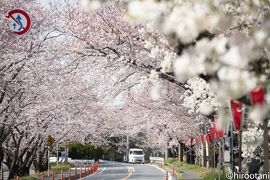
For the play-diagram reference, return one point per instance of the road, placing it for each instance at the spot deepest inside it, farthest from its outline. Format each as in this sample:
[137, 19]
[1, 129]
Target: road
[111, 170]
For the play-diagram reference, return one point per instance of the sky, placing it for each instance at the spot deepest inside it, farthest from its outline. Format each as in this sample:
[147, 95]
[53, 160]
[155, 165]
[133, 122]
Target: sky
[46, 2]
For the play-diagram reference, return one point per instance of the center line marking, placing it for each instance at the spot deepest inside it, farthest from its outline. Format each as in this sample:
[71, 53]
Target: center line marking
[130, 171]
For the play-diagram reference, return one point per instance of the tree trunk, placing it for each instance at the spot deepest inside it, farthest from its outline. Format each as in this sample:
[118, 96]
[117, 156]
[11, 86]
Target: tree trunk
[1, 156]
[24, 171]
[204, 155]
[211, 155]
[181, 152]
[41, 161]
[13, 164]
[13, 172]
[166, 150]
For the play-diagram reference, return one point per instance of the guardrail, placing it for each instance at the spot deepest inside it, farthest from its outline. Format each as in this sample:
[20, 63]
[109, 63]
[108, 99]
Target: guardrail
[158, 160]
[78, 172]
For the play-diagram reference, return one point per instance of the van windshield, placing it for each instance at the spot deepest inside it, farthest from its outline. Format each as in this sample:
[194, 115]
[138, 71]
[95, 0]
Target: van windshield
[137, 152]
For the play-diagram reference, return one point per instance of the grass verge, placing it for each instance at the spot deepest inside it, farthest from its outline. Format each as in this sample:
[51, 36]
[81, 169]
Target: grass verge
[205, 173]
[56, 169]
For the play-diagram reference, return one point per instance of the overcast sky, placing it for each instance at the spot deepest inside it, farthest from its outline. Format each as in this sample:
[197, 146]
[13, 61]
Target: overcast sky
[46, 2]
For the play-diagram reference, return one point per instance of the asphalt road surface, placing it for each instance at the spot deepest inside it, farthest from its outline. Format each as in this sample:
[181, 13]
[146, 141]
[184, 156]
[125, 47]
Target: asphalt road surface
[111, 170]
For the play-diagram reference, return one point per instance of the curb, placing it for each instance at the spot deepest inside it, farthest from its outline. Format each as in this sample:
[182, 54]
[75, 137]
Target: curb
[171, 177]
[157, 167]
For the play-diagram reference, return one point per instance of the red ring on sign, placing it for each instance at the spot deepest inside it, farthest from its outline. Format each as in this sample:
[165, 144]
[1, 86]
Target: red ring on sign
[28, 20]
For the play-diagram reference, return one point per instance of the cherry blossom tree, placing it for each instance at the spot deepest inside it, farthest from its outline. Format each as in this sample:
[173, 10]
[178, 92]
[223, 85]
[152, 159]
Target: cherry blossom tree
[93, 76]
[223, 42]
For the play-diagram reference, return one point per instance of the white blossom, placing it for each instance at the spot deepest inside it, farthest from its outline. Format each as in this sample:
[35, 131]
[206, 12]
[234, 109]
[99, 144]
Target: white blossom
[91, 4]
[257, 114]
[157, 92]
[144, 10]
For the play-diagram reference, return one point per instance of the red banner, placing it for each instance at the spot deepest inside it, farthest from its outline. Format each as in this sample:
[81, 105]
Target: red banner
[257, 96]
[207, 137]
[191, 141]
[197, 140]
[202, 138]
[218, 132]
[212, 133]
[236, 108]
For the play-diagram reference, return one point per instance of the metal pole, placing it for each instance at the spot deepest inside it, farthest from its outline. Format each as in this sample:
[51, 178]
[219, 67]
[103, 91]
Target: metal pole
[57, 155]
[219, 158]
[166, 149]
[127, 143]
[240, 150]
[127, 148]
[214, 165]
[179, 152]
[66, 158]
[48, 162]
[204, 148]
[214, 162]
[231, 148]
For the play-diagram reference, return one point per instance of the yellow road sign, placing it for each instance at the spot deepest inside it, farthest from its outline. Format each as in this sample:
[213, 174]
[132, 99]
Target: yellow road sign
[50, 141]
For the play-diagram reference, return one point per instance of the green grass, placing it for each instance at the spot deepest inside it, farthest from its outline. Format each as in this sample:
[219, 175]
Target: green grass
[206, 173]
[211, 175]
[171, 161]
[60, 167]
[56, 169]
[33, 177]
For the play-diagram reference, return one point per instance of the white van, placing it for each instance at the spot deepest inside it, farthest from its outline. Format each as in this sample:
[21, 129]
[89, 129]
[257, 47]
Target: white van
[136, 155]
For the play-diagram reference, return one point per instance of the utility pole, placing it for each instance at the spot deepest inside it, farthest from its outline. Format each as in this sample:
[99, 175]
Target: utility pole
[127, 143]
[127, 148]
[48, 161]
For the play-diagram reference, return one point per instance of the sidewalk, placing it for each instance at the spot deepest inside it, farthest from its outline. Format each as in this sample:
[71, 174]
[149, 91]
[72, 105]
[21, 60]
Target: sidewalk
[188, 174]
[183, 173]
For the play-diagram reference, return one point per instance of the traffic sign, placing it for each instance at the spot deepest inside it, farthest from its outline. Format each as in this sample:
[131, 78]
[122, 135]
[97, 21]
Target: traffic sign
[50, 141]
[19, 21]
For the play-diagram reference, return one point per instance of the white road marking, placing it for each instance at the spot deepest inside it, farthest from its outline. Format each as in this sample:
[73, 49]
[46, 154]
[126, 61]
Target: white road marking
[102, 170]
[156, 167]
[130, 171]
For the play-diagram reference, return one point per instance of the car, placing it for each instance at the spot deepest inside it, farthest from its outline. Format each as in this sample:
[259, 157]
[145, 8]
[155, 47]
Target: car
[136, 155]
